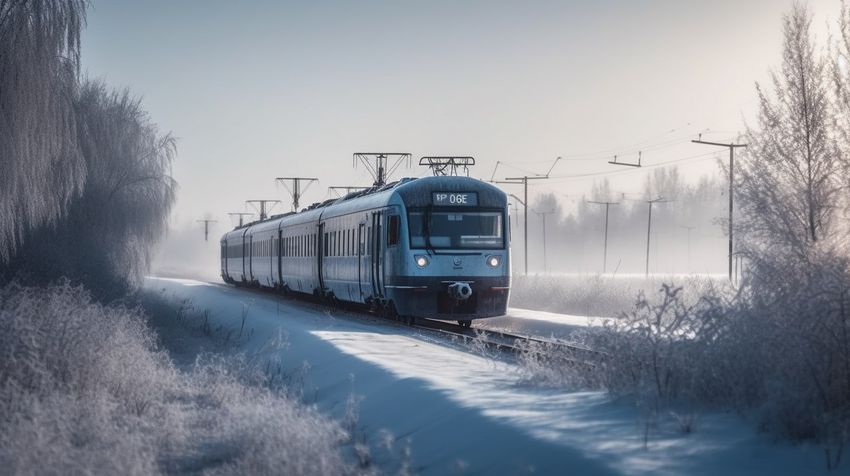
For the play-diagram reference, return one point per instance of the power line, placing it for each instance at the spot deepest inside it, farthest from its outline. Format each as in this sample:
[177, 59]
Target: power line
[643, 166]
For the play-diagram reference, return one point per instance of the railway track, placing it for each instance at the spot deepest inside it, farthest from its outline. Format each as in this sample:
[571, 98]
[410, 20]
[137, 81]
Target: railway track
[517, 344]
[549, 349]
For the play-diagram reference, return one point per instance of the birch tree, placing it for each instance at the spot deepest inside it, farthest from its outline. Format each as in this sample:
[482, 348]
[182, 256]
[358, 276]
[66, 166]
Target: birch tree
[791, 176]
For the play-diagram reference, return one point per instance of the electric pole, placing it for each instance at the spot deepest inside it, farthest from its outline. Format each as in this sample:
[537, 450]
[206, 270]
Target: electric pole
[206, 227]
[262, 204]
[385, 163]
[543, 215]
[295, 192]
[605, 246]
[689, 228]
[732, 147]
[524, 181]
[649, 227]
[240, 215]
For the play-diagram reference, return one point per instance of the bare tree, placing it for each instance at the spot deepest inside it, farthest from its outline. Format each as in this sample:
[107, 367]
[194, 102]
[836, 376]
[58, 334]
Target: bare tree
[791, 176]
[39, 65]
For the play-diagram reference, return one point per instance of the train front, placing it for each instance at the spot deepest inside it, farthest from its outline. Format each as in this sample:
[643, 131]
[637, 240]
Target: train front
[453, 261]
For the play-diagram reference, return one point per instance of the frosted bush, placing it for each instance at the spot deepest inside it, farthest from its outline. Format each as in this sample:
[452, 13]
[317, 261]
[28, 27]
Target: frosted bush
[593, 295]
[85, 390]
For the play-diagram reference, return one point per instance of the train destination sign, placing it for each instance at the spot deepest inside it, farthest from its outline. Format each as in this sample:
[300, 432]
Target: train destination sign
[455, 199]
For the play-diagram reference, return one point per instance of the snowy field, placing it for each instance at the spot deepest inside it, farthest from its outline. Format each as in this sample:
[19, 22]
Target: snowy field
[465, 413]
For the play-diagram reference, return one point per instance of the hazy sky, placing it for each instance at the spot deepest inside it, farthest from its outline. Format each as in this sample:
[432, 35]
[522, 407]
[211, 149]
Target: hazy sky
[261, 89]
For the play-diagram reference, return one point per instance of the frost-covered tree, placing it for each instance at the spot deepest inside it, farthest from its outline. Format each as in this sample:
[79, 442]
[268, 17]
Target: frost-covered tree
[129, 192]
[791, 177]
[42, 168]
[106, 238]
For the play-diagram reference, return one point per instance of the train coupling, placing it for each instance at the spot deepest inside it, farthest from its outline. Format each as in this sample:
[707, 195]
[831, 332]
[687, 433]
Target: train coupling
[460, 291]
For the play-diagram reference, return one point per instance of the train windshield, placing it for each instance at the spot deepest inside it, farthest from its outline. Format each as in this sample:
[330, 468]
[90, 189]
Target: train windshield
[454, 230]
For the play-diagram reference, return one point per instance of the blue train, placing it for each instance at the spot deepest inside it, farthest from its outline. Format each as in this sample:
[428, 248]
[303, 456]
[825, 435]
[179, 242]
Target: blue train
[433, 247]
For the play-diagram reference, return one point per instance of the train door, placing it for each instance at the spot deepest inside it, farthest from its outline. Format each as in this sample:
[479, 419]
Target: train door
[244, 258]
[377, 255]
[251, 258]
[320, 253]
[277, 250]
[362, 263]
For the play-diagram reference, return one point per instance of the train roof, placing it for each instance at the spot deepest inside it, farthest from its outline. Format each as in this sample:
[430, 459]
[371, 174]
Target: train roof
[412, 191]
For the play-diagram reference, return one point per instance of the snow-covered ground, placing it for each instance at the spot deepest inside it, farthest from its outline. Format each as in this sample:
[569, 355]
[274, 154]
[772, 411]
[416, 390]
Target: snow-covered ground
[466, 413]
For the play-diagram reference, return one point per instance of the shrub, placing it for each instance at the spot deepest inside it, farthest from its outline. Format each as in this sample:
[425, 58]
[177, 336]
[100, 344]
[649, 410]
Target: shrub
[85, 390]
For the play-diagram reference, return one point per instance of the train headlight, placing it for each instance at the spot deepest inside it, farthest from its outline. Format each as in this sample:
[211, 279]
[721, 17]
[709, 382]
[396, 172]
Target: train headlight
[493, 261]
[421, 261]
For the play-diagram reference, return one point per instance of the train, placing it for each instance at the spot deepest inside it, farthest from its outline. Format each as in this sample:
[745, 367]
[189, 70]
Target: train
[432, 247]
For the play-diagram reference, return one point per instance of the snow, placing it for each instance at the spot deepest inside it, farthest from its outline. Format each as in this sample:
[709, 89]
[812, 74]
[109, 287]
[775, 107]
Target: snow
[538, 323]
[464, 412]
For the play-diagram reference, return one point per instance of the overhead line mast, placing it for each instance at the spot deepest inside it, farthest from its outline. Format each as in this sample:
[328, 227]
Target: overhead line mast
[262, 204]
[524, 181]
[206, 227]
[240, 215]
[382, 167]
[295, 192]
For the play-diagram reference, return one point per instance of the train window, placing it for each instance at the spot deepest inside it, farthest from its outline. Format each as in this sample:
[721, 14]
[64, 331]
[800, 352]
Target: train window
[444, 229]
[325, 245]
[393, 225]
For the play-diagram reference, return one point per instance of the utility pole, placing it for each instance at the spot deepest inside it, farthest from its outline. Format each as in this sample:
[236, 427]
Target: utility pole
[605, 246]
[347, 188]
[240, 215]
[689, 228]
[206, 227]
[543, 215]
[524, 181]
[649, 227]
[295, 192]
[381, 168]
[262, 204]
[732, 147]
